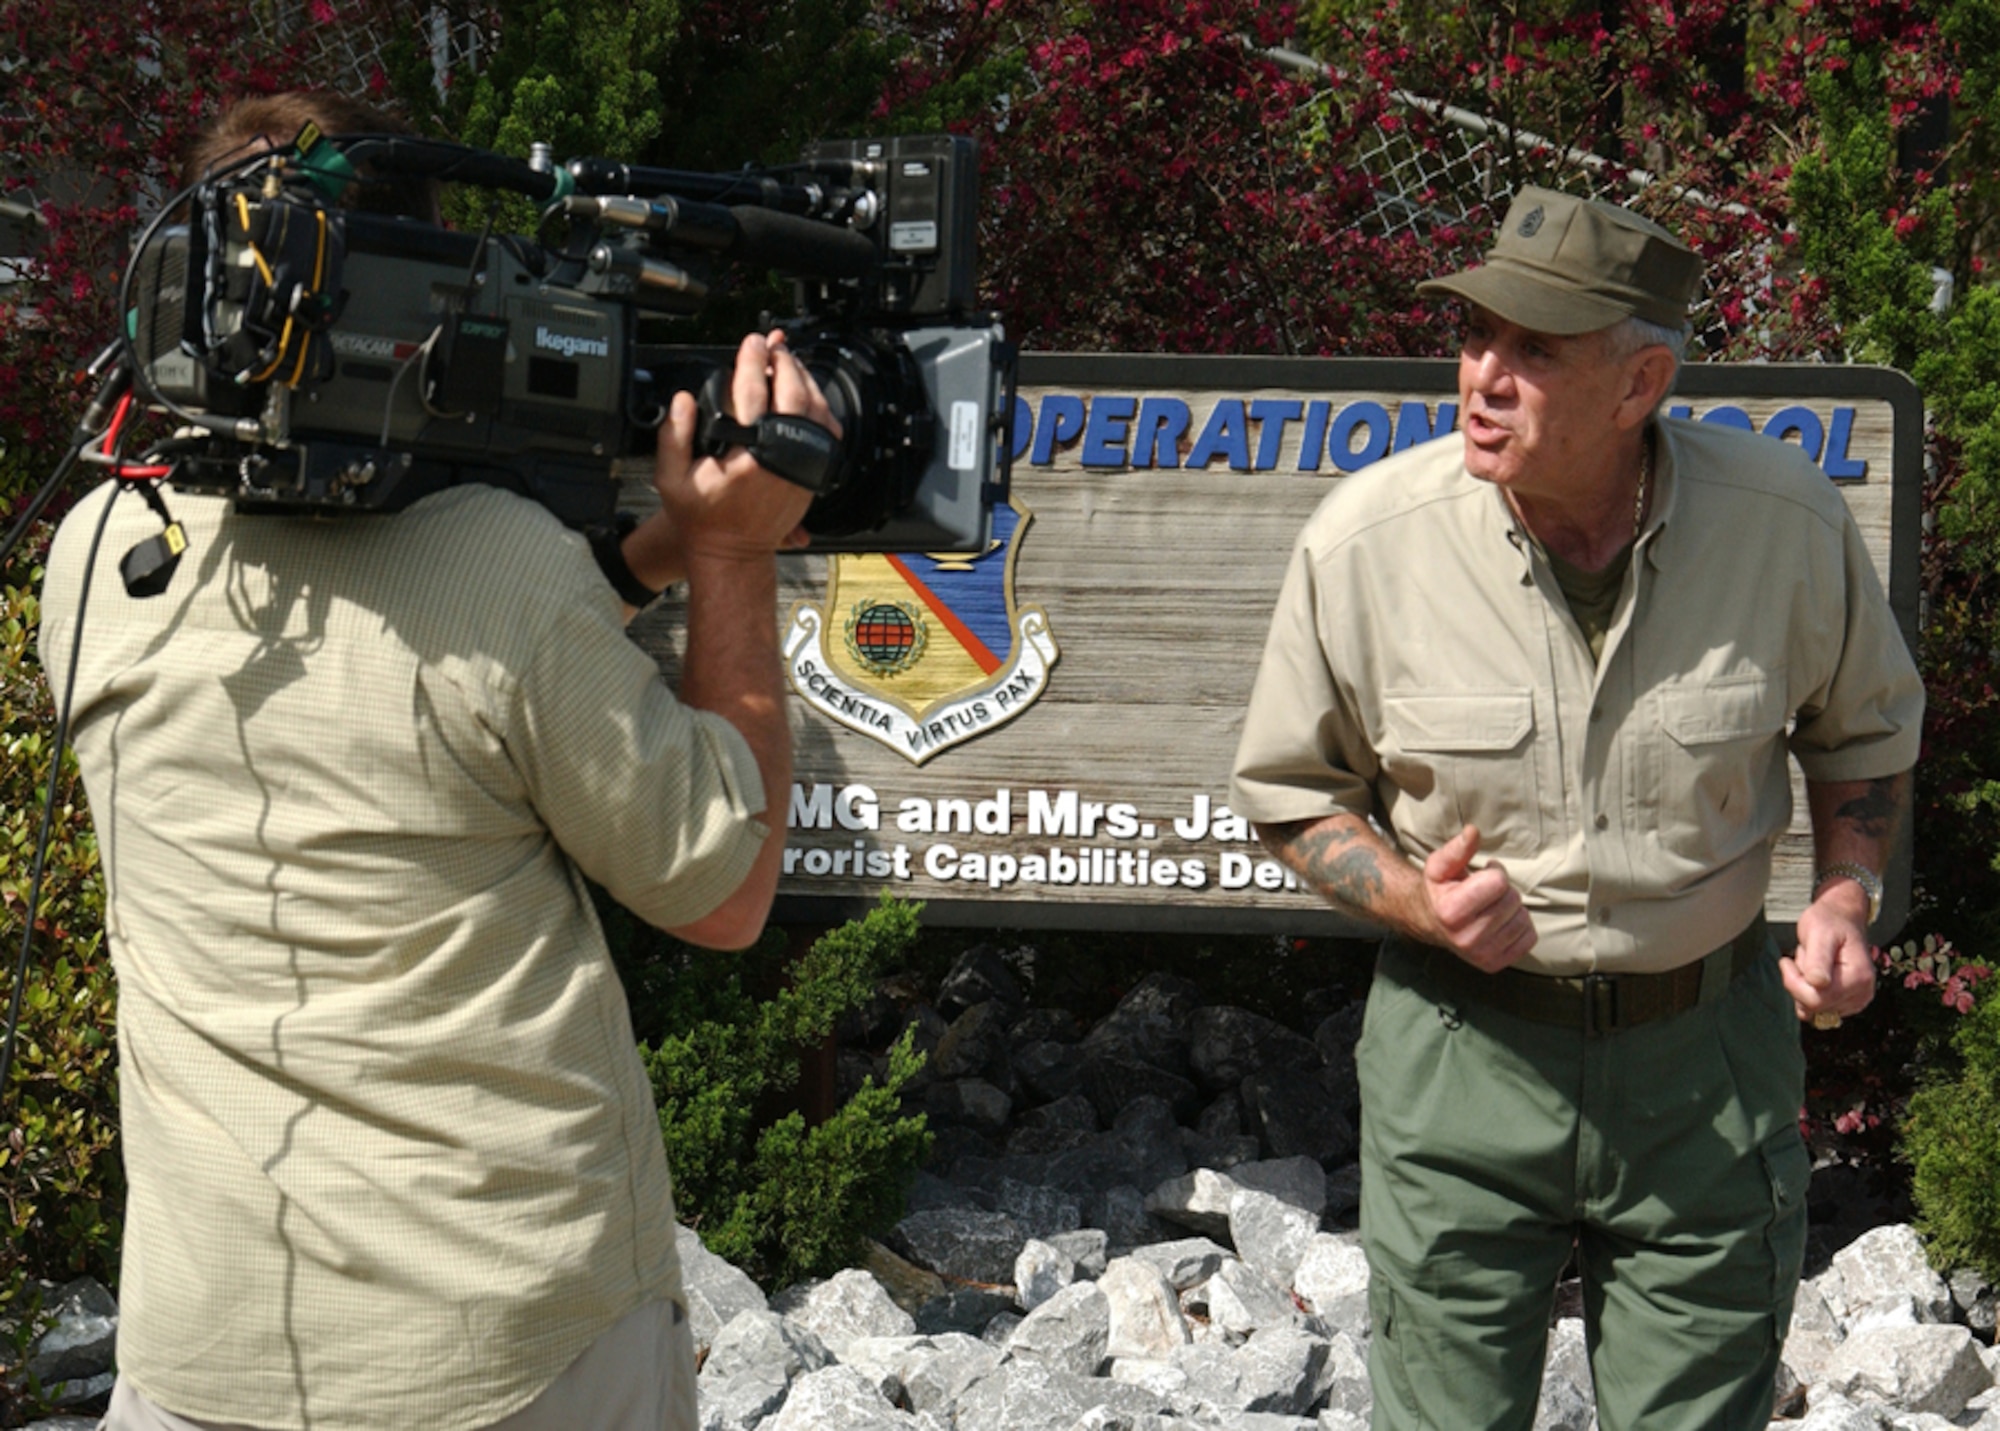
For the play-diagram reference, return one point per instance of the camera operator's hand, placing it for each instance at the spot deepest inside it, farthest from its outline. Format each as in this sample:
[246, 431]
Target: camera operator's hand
[730, 506]
[728, 517]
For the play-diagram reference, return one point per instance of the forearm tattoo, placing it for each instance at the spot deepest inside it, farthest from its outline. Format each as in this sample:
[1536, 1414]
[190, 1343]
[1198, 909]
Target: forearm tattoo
[1875, 811]
[1338, 861]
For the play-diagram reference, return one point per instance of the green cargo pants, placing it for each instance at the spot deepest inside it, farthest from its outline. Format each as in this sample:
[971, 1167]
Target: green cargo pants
[1666, 1155]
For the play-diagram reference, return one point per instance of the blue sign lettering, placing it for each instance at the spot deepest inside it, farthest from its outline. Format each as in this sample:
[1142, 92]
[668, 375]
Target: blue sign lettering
[1273, 415]
[1414, 425]
[1801, 422]
[1128, 432]
[1314, 441]
[1104, 436]
[1062, 419]
[1227, 435]
[1163, 422]
[1371, 416]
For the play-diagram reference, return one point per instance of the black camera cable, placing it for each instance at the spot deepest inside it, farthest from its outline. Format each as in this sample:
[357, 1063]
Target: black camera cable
[42, 838]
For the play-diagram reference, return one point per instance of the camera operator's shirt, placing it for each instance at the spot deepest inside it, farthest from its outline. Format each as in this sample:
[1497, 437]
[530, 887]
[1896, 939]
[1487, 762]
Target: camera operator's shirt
[1424, 669]
[393, 1158]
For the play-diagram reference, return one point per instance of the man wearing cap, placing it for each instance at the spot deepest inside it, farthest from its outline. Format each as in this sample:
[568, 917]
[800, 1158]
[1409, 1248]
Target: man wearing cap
[1526, 701]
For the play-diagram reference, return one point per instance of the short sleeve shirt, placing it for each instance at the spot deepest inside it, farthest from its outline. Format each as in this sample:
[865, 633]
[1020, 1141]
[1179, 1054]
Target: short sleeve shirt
[393, 1159]
[1423, 670]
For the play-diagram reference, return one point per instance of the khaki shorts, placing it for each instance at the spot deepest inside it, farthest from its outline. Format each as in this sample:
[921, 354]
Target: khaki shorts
[637, 1376]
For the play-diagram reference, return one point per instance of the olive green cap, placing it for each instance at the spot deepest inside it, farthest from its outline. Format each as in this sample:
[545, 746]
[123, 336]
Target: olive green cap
[1561, 264]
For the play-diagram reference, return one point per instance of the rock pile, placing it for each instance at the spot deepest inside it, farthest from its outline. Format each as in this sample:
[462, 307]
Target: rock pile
[1148, 1225]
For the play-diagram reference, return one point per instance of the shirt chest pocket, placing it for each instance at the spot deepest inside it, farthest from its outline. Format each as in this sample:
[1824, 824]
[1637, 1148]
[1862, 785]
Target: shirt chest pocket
[1463, 757]
[1724, 784]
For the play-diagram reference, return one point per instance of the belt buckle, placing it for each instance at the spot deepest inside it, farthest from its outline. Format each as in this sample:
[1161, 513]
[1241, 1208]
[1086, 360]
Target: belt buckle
[1600, 1004]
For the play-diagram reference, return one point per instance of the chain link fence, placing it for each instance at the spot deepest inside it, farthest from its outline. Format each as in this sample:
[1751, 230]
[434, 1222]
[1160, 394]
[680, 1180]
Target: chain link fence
[349, 56]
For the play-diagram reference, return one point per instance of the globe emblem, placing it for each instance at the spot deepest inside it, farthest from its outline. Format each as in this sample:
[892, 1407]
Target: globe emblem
[885, 636]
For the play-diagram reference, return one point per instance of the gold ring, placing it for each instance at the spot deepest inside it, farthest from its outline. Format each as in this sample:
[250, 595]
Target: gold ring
[1826, 1019]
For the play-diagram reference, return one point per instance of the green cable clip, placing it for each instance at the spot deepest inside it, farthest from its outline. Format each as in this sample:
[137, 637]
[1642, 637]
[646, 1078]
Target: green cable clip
[325, 167]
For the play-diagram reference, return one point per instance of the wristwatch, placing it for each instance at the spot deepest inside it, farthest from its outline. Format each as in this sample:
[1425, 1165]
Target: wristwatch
[1870, 882]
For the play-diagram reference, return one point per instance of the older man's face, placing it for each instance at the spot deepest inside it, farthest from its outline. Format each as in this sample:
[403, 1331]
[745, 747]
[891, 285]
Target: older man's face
[1538, 411]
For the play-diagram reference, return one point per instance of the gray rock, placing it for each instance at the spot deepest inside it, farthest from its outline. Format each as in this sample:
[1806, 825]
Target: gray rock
[1026, 1396]
[961, 1243]
[1569, 1402]
[838, 1398]
[928, 1190]
[1887, 1264]
[1270, 1234]
[1976, 1299]
[1298, 1181]
[976, 1046]
[1296, 1118]
[1815, 1334]
[716, 1292]
[1346, 1376]
[81, 1345]
[1221, 1154]
[1111, 1079]
[1051, 1070]
[1046, 1026]
[1185, 1262]
[1162, 1378]
[1343, 1190]
[1924, 1368]
[1145, 1312]
[930, 1370]
[1088, 1247]
[1333, 1419]
[1198, 1201]
[1226, 1045]
[751, 1366]
[970, 1102]
[1001, 1329]
[1038, 1209]
[1333, 1279]
[1150, 1024]
[1241, 1300]
[980, 976]
[1071, 1112]
[1828, 1412]
[1222, 1118]
[850, 1304]
[964, 1309]
[908, 1285]
[1121, 1212]
[1278, 1370]
[1069, 1332]
[1040, 1272]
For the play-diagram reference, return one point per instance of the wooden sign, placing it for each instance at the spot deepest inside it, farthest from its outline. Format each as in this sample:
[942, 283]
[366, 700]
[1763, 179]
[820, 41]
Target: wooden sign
[1041, 736]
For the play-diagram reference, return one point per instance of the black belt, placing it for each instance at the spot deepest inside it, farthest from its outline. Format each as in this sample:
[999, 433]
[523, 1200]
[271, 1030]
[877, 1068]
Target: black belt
[1593, 1003]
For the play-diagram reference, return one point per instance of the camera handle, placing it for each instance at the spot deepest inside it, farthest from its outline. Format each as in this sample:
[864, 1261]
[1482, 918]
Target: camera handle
[794, 448]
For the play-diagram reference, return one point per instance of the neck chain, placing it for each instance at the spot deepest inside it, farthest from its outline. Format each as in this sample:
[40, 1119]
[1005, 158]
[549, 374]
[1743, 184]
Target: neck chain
[1645, 471]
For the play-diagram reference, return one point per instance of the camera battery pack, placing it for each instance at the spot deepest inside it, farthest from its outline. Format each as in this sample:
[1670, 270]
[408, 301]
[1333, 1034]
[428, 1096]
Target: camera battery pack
[470, 364]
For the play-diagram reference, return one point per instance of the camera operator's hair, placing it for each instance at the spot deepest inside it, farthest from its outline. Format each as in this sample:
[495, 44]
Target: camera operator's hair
[271, 121]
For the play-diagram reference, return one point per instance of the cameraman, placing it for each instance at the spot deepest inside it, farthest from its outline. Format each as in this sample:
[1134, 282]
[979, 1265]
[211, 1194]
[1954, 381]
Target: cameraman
[393, 1159]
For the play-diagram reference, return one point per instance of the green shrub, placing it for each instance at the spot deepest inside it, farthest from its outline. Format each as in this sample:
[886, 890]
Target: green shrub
[722, 1037]
[61, 1184]
[1952, 1141]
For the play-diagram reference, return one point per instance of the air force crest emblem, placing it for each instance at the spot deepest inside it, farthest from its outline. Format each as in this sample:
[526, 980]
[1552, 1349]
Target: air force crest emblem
[923, 651]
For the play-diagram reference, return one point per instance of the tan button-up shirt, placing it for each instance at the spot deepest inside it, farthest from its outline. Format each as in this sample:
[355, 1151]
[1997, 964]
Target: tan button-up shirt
[393, 1158]
[1423, 669]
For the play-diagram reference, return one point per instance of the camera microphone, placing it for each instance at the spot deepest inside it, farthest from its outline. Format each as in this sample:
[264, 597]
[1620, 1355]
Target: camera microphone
[762, 236]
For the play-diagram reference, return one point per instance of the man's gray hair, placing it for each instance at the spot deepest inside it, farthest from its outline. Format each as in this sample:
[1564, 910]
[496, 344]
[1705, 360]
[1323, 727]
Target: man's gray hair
[1626, 338]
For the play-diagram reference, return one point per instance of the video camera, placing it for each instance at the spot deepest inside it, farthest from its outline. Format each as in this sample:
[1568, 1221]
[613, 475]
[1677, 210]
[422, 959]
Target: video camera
[322, 359]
